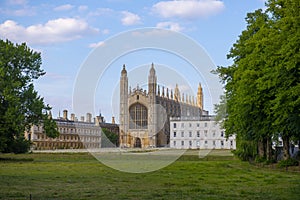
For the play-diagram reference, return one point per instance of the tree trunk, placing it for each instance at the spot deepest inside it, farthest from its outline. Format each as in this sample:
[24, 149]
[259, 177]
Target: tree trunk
[286, 147]
[269, 148]
[261, 148]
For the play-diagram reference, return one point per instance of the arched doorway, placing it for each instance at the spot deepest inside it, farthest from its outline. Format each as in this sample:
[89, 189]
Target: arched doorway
[137, 143]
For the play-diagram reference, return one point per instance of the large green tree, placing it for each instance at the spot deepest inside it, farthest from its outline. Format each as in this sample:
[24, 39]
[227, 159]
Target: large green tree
[262, 85]
[20, 104]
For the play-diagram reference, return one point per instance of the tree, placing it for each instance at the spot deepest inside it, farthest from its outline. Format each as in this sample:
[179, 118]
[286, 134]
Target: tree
[20, 104]
[109, 139]
[262, 85]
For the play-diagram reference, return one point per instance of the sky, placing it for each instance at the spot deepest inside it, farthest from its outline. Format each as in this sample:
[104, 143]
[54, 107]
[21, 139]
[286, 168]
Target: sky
[67, 33]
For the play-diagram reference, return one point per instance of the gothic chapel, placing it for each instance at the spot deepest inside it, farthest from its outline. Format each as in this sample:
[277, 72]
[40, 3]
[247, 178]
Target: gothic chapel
[145, 116]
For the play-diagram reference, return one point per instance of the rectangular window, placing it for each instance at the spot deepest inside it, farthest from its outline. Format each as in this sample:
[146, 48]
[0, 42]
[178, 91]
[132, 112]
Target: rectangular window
[198, 124]
[190, 133]
[182, 125]
[174, 125]
[214, 143]
[205, 142]
[231, 143]
[198, 143]
[190, 125]
[222, 143]
[182, 143]
[205, 124]
[174, 134]
[190, 143]
[222, 134]
[174, 143]
[198, 133]
[182, 134]
[214, 133]
[205, 133]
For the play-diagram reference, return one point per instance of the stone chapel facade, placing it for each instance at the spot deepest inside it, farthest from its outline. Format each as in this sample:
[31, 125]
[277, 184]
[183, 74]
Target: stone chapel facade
[145, 115]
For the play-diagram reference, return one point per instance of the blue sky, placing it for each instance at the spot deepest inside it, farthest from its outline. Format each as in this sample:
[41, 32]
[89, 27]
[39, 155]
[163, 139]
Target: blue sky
[65, 32]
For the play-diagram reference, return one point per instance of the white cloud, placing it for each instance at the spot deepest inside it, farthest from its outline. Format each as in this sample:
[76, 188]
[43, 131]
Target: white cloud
[130, 18]
[94, 45]
[64, 7]
[105, 31]
[188, 9]
[82, 8]
[54, 31]
[101, 11]
[169, 25]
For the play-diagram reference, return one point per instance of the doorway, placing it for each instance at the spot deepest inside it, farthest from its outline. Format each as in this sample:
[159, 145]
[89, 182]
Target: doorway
[138, 143]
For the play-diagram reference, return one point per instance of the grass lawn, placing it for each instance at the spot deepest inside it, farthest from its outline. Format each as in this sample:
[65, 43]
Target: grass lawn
[81, 176]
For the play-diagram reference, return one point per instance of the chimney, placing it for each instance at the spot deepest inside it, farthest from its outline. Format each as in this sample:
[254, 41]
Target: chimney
[88, 117]
[65, 115]
[97, 120]
[73, 117]
[113, 120]
[82, 118]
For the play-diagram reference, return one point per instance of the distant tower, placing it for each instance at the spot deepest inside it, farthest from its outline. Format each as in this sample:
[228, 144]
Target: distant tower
[200, 97]
[177, 93]
[65, 114]
[123, 107]
[50, 115]
[152, 82]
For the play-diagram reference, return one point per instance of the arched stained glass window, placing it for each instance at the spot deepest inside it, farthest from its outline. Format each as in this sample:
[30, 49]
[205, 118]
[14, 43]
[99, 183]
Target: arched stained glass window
[138, 116]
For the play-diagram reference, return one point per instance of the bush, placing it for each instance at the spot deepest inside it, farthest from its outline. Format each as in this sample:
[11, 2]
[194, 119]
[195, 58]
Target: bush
[259, 159]
[264, 161]
[288, 162]
[20, 145]
[246, 150]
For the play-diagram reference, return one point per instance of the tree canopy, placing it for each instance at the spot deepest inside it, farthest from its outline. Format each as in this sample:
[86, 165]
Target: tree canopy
[20, 104]
[262, 86]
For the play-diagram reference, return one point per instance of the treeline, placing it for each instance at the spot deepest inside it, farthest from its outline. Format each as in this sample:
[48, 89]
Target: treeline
[262, 87]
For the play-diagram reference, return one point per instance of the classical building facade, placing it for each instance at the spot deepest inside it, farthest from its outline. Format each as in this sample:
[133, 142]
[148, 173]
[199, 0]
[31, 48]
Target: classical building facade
[199, 133]
[74, 134]
[145, 115]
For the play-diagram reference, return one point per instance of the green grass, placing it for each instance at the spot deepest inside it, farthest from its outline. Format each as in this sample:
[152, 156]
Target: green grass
[81, 176]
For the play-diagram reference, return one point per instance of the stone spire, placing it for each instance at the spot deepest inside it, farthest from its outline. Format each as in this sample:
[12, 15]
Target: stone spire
[124, 72]
[152, 81]
[152, 115]
[167, 92]
[177, 93]
[200, 97]
[123, 128]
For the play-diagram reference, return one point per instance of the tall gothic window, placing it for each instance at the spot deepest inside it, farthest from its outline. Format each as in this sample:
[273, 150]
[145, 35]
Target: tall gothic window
[138, 116]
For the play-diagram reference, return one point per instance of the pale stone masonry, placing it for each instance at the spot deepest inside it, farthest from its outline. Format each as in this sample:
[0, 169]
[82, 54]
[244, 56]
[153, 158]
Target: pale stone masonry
[74, 134]
[199, 133]
[144, 115]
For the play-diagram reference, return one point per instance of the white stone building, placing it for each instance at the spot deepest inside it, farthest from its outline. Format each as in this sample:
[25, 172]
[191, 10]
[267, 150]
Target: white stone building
[198, 133]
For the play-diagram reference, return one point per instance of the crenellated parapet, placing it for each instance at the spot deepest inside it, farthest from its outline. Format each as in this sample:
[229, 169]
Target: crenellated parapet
[138, 91]
[168, 93]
